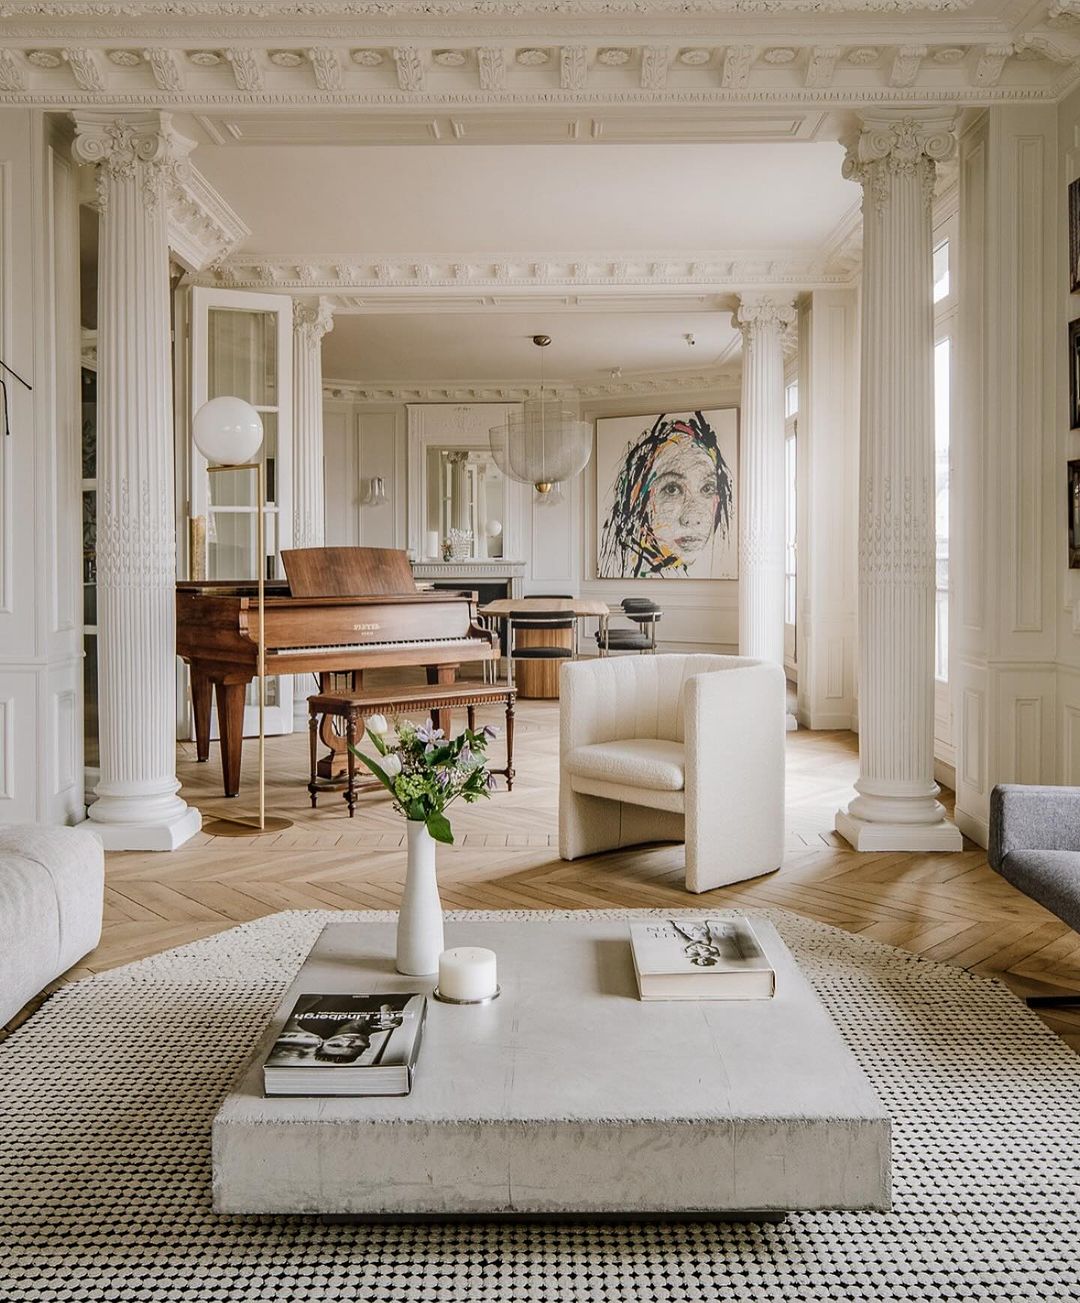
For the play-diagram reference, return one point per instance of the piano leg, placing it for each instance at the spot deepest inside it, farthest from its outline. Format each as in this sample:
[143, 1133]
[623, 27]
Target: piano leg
[201, 693]
[442, 674]
[230, 709]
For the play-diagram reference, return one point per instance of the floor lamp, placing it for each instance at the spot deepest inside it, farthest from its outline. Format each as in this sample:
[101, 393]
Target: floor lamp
[229, 433]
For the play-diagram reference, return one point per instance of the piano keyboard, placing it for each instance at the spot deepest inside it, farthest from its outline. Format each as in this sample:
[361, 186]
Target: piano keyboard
[344, 648]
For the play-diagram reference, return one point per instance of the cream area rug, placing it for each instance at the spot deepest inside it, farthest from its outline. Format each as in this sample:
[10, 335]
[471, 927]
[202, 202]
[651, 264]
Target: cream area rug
[107, 1094]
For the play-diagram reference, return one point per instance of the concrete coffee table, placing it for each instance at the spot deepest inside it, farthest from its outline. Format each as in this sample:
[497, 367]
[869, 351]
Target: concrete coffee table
[567, 1096]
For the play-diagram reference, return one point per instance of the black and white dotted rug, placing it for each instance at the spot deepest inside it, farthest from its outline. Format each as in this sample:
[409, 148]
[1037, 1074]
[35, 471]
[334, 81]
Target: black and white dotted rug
[107, 1095]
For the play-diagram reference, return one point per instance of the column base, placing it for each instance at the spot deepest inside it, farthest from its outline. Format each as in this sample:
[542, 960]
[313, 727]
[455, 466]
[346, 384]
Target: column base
[866, 836]
[165, 836]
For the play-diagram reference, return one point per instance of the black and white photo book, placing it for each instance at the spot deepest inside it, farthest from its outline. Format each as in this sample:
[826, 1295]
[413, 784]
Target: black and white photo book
[700, 959]
[347, 1045]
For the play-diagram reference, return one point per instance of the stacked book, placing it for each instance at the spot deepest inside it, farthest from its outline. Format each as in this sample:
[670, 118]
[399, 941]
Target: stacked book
[700, 959]
[347, 1045]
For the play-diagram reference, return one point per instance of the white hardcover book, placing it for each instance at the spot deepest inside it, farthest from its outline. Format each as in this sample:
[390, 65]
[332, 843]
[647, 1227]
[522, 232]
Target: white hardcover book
[700, 959]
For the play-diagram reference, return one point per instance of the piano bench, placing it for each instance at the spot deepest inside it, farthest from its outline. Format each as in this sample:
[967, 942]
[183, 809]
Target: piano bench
[354, 709]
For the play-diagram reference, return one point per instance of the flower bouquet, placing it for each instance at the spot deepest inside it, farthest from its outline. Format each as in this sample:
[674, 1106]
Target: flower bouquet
[425, 773]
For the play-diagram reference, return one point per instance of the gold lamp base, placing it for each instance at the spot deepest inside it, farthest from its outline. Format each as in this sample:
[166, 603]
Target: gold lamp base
[227, 827]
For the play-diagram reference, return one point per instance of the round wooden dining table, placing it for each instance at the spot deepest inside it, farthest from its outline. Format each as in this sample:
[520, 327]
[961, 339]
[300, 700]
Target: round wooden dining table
[539, 677]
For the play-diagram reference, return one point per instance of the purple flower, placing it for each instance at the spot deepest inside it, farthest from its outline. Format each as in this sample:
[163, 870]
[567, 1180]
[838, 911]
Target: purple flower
[428, 733]
[491, 782]
[465, 755]
[489, 732]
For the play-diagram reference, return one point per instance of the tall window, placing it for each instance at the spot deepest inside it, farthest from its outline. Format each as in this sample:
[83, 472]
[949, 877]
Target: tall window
[791, 414]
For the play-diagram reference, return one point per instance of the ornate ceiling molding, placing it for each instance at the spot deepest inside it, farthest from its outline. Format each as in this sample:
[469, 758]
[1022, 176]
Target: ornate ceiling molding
[203, 229]
[808, 52]
[660, 382]
[352, 284]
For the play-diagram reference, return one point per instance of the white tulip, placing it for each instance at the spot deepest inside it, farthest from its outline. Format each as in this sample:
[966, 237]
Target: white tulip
[391, 765]
[377, 724]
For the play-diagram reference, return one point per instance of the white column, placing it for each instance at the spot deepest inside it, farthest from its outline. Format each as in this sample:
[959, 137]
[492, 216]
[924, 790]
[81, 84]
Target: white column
[312, 319]
[894, 158]
[762, 319]
[137, 806]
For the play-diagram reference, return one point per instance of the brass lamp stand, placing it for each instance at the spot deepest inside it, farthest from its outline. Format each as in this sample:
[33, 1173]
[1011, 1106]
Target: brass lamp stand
[229, 825]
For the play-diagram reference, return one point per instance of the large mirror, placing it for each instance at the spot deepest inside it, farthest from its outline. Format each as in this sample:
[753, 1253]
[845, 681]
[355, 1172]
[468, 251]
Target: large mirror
[466, 503]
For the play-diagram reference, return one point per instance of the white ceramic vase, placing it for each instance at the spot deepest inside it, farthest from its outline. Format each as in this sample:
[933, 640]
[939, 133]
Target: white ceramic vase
[420, 920]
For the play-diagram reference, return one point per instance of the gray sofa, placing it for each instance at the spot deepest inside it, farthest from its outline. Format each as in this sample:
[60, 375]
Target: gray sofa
[1035, 845]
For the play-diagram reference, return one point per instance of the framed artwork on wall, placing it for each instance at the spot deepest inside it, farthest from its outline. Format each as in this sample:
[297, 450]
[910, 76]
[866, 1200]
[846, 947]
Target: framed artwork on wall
[667, 496]
[1074, 515]
[1074, 236]
[1074, 374]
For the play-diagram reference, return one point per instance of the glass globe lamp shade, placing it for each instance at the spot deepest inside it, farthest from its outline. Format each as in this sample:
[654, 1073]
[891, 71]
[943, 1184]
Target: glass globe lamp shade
[227, 431]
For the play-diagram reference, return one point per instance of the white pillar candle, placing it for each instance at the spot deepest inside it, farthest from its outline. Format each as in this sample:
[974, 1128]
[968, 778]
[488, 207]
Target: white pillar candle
[467, 973]
[433, 542]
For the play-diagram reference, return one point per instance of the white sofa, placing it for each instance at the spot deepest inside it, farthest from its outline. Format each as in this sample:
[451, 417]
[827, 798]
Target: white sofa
[52, 884]
[675, 748]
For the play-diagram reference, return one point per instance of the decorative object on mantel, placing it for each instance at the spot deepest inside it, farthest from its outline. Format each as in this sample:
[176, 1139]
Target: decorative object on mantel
[666, 493]
[3, 393]
[425, 773]
[229, 433]
[460, 542]
[375, 495]
[545, 441]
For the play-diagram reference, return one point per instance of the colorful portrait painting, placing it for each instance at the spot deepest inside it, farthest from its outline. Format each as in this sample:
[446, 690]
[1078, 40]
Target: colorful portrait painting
[666, 496]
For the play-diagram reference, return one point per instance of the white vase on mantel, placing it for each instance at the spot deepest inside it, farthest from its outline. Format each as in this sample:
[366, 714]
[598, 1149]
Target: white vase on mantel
[420, 919]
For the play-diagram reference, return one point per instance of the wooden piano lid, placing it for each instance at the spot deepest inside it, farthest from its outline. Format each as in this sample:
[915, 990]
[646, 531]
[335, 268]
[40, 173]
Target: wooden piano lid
[347, 571]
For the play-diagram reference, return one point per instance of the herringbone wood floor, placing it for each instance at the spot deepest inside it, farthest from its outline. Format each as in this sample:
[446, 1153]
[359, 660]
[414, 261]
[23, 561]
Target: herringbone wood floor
[949, 907]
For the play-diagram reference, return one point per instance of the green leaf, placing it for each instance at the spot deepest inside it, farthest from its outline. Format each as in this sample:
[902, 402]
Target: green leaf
[438, 825]
[367, 760]
[380, 745]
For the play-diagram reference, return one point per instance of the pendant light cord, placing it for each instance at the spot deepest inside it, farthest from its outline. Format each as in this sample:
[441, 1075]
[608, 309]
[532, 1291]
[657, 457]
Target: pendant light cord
[4, 393]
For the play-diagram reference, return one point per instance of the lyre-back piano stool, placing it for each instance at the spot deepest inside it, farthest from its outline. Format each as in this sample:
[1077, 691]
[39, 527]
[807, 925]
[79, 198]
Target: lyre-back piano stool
[352, 710]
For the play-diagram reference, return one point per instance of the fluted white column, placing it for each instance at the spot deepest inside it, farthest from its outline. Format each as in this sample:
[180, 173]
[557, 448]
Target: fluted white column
[312, 319]
[762, 319]
[894, 158]
[137, 806]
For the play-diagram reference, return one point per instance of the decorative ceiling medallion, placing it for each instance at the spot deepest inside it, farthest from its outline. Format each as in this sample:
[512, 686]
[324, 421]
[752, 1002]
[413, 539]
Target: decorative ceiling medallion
[950, 54]
[449, 58]
[532, 58]
[864, 55]
[781, 54]
[367, 58]
[44, 58]
[695, 58]
[286, 58]
[204, 58]
[613, 58]
[125, 58]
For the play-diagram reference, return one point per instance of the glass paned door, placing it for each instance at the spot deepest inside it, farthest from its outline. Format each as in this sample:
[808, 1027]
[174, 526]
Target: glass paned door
[241, 346]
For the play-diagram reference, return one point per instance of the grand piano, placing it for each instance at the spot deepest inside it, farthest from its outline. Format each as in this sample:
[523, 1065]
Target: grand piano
[340, 610]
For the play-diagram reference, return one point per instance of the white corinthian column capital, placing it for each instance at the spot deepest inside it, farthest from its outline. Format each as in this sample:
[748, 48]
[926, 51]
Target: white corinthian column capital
[894, 158]
[143, 149]
[137, 806]
[908, 145]
[762, 318]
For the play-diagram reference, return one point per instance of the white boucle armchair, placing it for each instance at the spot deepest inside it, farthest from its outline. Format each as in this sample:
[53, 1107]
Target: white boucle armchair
[675, 748]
